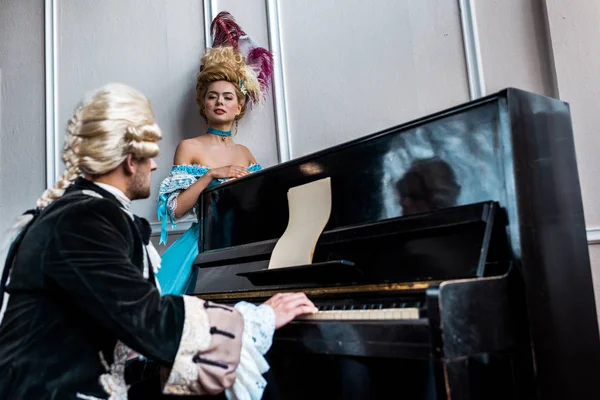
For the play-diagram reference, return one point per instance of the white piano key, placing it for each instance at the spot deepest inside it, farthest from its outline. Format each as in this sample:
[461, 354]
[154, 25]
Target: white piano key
[342, 315]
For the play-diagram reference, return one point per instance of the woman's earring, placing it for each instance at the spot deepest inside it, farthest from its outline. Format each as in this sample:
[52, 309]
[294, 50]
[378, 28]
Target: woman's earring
[236, 124]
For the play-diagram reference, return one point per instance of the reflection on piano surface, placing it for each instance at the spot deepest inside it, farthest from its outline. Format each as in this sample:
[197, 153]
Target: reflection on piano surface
[454, 264]
[429, 184]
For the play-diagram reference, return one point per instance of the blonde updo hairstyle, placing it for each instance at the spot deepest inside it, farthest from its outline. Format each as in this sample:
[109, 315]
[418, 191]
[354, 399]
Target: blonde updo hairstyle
[112, 122]
[223, 64]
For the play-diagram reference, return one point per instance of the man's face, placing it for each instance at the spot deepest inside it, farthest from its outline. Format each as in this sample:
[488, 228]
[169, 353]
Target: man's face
[139, 185]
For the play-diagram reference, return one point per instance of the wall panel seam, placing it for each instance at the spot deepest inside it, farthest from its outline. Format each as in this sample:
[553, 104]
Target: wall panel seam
[472, 49]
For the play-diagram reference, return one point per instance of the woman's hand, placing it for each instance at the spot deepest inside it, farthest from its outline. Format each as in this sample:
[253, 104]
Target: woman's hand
[288, 306]
[231, 171]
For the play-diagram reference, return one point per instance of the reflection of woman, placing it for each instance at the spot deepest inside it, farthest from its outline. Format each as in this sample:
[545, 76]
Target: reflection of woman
[430, 184]
[234, 72]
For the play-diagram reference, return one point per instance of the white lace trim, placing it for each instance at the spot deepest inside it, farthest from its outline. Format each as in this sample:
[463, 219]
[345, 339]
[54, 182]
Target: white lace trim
[172, 203]
[259, 324]
[191, 215]
[113, 381]
[195, 338]
[259, 327]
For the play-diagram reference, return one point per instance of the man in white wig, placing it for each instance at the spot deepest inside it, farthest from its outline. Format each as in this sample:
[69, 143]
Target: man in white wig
[80, 289]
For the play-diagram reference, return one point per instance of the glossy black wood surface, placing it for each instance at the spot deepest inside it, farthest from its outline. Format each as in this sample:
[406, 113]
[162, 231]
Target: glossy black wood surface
[512, 147]
[452, 243]
[448, 156]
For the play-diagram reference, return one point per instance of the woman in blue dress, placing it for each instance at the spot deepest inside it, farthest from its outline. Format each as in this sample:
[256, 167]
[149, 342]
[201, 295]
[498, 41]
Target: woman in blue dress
[234, 72]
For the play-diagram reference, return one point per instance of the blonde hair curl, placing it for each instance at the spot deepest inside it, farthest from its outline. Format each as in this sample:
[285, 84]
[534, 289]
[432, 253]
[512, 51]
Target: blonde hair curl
[110, 123]
[225, 64]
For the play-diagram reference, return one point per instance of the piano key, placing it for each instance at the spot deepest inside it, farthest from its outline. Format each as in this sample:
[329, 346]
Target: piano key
[379, 314]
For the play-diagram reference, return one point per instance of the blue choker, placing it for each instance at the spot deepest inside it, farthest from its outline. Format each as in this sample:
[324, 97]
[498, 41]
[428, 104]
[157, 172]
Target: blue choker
[217, 132]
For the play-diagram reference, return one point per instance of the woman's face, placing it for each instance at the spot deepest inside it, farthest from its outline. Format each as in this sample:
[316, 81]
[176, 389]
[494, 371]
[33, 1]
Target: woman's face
[221, 103]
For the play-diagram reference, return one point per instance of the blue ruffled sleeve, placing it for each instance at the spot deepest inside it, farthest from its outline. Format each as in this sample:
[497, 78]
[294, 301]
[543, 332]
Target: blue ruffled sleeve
[180, 178]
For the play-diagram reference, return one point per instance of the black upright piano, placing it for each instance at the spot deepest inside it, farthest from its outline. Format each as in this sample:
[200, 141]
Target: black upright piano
[454, 264]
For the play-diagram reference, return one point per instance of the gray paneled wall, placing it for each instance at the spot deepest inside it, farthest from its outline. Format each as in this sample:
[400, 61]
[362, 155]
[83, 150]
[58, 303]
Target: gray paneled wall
[514, 45]
[22, 140]
[352, 68]
[575, 33]
[574, 36]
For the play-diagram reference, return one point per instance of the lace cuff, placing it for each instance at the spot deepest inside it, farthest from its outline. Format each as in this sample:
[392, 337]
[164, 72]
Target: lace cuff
[259, 322]
[259, 327]
[209, 351]
[167, 204]
[172, 206]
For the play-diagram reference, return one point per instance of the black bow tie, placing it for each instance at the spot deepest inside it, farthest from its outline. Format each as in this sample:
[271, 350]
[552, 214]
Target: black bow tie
[144, 227]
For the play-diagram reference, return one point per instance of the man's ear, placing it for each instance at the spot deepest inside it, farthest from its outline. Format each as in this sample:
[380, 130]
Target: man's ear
[129, 165]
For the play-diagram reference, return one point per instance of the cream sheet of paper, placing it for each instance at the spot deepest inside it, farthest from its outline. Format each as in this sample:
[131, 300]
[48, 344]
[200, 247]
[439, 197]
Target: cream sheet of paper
[309, 209]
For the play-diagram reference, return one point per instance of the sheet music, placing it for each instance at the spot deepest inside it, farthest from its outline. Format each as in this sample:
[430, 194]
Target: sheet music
[309, 211]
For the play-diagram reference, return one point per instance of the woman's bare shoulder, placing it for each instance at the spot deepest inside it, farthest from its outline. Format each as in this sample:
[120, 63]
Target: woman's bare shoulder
[247, 153]
[189, 151]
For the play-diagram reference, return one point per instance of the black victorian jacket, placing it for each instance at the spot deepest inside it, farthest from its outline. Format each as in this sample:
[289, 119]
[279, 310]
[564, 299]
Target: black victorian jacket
[82, 300]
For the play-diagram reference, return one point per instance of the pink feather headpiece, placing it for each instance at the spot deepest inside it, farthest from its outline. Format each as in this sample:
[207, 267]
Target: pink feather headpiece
[226, 32]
